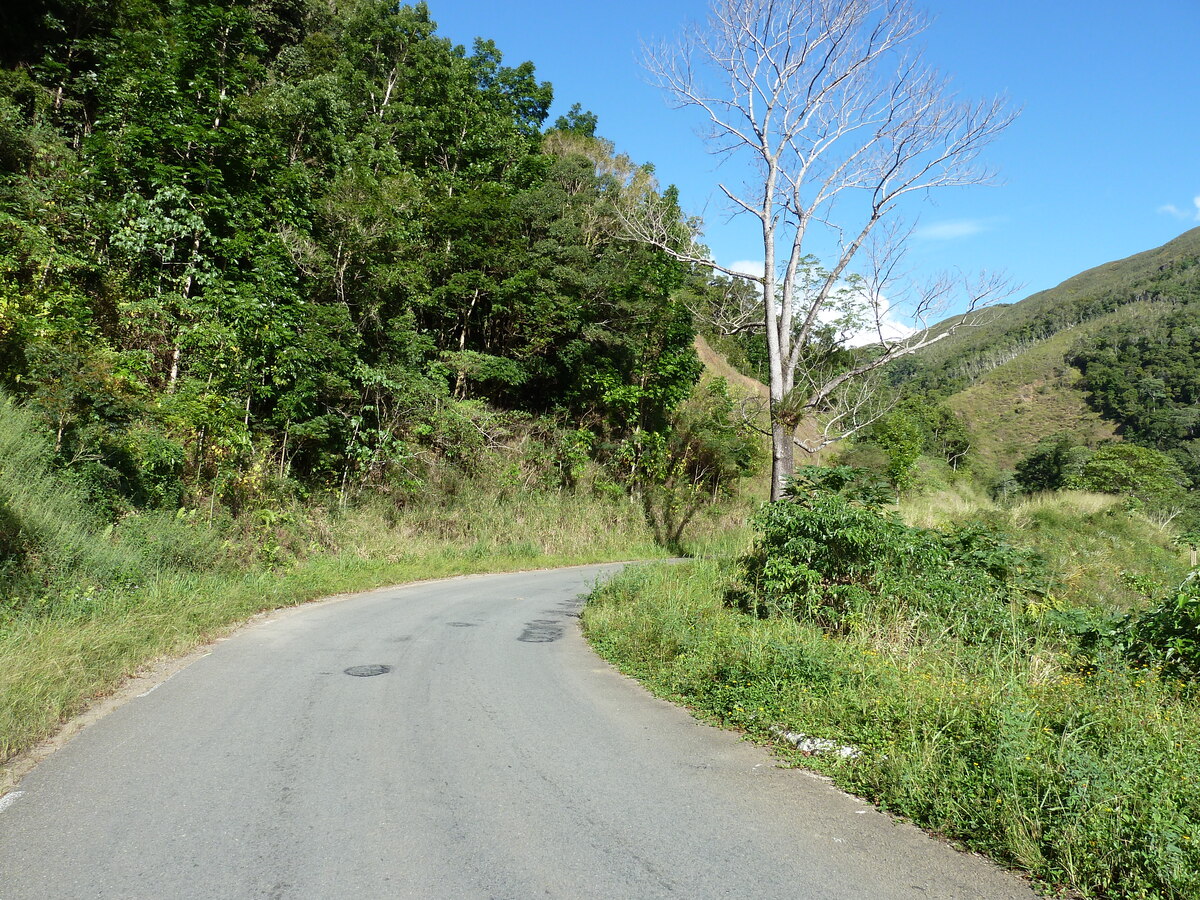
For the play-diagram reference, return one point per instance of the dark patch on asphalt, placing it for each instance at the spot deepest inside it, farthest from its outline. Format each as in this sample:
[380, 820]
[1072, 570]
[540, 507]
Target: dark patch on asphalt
[368, 671]
[541, 631]
[572, 607]
[462, 624]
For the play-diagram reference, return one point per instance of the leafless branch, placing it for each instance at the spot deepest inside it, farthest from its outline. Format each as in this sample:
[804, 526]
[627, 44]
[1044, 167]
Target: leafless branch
[842, 119]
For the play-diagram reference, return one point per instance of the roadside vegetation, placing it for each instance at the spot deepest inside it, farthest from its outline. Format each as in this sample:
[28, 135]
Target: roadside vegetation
[983, 612]
[299, 298]
[85, 602]
[1019, 679]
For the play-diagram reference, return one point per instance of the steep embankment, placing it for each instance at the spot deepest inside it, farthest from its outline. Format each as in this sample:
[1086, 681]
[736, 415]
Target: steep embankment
[755, 396]
[716, 365]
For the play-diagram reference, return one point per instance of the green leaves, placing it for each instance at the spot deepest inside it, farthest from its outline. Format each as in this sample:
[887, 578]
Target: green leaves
[830, 554]
[312, 239]
[1167, 636]
[1145, 475]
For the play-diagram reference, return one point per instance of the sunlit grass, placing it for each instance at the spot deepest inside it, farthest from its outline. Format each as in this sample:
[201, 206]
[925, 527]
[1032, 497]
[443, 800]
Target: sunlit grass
[1086, 778]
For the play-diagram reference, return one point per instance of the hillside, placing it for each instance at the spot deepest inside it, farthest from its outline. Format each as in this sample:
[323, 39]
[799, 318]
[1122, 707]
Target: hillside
[953, 364]
[1034, 395]
[1011, 378]
[753, 395]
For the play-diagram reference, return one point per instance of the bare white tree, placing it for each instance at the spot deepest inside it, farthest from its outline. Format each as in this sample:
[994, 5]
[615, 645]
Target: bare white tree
[843, 119]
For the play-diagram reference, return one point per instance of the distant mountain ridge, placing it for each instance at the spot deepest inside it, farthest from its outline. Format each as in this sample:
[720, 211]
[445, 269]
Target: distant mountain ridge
[1012, 378]
[1170, 273]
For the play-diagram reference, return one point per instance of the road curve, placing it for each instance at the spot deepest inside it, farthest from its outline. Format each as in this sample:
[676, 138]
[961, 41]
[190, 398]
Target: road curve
[496, 758]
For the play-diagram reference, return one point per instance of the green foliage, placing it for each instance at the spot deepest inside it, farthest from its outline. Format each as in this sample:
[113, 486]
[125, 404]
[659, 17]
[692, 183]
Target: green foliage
[826, 557]
[1147, 476]
[282, 244]
[1055, 463]
[857, 485]
[699, 460]
[1082, 777]
[901, 438]
[914, 428]
[1145, 375]
[944, 433]
[1166, 636]
[1141, 472]
[577, 121]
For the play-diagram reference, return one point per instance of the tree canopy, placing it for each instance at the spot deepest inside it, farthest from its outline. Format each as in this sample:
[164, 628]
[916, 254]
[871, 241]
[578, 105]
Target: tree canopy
[242, 237]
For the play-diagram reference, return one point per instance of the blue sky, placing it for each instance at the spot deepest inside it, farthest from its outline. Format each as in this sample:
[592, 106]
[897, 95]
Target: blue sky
[1104, 161]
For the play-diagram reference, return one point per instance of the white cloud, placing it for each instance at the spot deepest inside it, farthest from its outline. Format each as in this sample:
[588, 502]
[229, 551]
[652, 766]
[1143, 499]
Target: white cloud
[1170, 209]
[858, 322]
[892, 330]
[889, 328]
[748, 267]
[952, 230]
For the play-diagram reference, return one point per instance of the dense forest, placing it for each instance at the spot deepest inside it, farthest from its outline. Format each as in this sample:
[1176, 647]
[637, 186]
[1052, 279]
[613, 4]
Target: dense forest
[1146, 376]
[315, 244]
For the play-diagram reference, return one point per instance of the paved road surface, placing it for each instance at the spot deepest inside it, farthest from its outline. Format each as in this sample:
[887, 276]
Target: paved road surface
[498, 758]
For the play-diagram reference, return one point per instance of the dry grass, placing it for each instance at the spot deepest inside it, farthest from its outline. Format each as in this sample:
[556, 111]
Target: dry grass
[956, 503]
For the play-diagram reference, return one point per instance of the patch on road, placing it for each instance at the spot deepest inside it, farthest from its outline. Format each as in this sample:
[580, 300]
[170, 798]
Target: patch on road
[541, 631]
[368, 671]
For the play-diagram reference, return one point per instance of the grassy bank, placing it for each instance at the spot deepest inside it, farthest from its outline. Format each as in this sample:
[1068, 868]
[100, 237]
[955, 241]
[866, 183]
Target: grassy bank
[1081, 773]
[83, 604]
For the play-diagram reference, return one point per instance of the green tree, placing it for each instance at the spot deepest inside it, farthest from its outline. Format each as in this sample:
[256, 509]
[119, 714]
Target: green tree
[1055, 463]
[1149, 475]
[901, 438]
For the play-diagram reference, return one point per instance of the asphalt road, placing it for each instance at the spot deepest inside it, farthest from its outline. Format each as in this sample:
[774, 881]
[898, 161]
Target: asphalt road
[496, 758]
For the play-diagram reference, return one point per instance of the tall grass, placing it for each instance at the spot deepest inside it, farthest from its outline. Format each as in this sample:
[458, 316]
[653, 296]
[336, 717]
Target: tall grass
[46, 531]
[1084, 778]
[1103, 555]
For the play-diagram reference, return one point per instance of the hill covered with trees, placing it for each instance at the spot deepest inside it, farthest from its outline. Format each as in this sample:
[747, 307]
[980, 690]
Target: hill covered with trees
[1168, 273]
[316, 243]
[1112, 354]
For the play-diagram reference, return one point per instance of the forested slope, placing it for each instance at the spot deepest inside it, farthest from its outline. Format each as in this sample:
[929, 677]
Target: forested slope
[1111, 354]
[1170, 272]
[314, 243]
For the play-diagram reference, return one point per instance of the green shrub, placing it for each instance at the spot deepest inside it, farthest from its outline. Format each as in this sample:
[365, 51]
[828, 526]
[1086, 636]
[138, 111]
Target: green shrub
[834, 559]
[1052, 465]
[1167, 636]
[1150, 476]
[858, 484]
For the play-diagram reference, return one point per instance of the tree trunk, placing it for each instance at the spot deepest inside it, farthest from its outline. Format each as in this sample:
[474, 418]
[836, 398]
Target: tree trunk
[173, 375]
[460, 383]
[783, 457]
